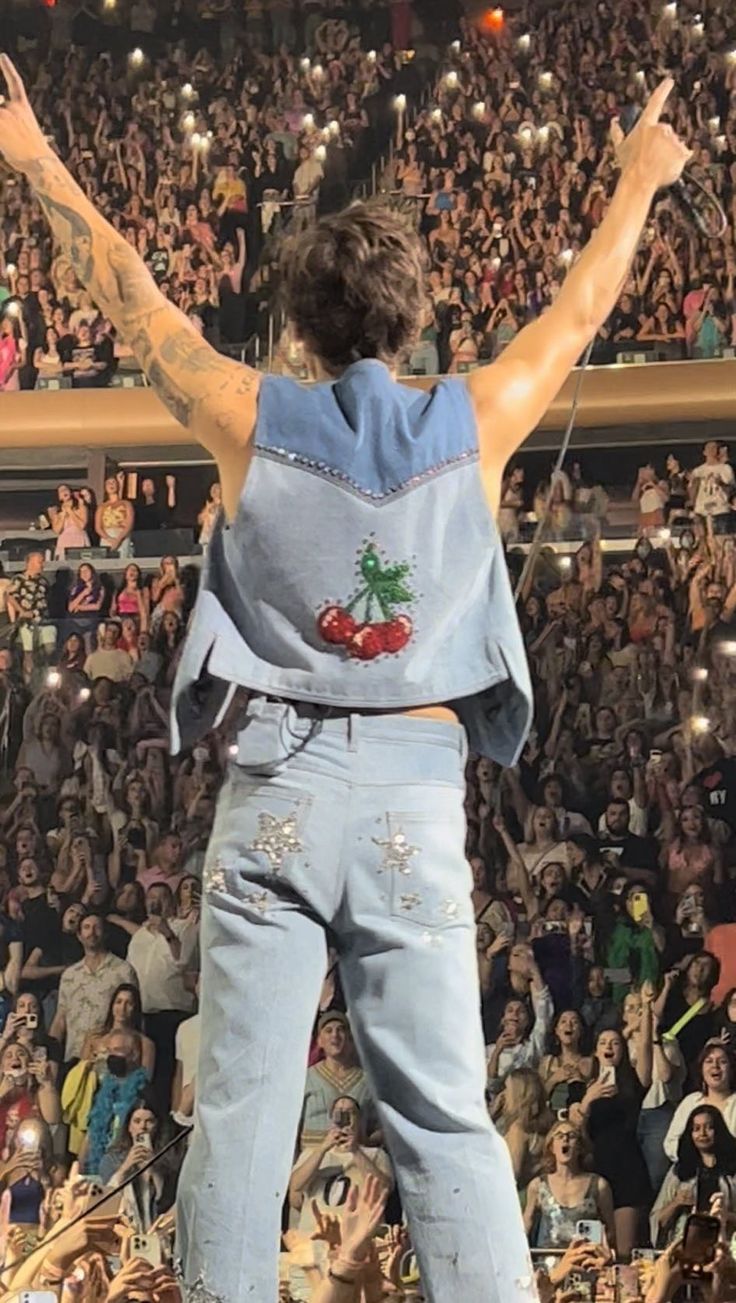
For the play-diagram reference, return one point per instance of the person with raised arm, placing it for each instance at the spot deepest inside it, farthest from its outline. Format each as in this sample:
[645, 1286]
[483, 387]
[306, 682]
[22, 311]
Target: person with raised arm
[362, 602]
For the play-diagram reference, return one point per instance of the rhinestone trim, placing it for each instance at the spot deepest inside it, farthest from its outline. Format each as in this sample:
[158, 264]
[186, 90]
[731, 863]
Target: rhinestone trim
[330, 472]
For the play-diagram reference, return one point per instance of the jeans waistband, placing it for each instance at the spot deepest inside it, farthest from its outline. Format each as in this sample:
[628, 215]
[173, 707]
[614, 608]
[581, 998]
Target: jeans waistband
[305, 718]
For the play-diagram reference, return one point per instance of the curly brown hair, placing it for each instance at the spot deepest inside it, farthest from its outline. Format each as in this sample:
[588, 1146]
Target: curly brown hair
[353, 286]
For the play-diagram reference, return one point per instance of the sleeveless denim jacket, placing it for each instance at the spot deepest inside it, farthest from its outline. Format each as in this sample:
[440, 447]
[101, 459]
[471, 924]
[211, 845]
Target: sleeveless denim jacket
[363, 569]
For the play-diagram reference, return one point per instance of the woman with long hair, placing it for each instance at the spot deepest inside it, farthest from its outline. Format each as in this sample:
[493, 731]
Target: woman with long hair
[565, 1072]
[151, 1192]
[704, 1171]
[132, 596]
[716, 1076]
[125, 1013]
[568, 1190]
[85, 601]
[69, 521]
[167, 593]
[609, 1113]
[690, 856]
[523, 1118]
[73, 654]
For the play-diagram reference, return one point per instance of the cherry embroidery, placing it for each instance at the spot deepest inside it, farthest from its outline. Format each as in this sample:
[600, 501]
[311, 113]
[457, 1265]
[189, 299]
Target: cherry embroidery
[382, 587]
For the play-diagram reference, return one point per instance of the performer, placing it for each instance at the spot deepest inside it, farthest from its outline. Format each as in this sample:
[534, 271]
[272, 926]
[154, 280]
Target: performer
[356, 587]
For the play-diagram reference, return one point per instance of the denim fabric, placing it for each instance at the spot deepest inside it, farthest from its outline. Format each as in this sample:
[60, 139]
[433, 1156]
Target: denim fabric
[651, 1129]
[351, 825]
[364, 506]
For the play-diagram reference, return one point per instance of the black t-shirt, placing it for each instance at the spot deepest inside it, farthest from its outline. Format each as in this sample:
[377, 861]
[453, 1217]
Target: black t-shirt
[718, 782]
[631, 852]
[151, 515]
[41, 931]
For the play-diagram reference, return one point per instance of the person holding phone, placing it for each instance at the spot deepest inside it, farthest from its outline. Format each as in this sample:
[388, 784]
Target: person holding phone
[324, 1174]
[567, 1192]
[152, 1192]
[25, 1025]
[609, 1113]
[704, 1171]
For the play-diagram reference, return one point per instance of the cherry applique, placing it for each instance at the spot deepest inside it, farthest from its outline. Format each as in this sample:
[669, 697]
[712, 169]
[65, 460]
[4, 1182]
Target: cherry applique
[383, 587]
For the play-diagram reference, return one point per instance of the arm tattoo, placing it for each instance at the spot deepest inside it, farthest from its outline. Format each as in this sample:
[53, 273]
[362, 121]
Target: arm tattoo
[179, 404]
[181, 366]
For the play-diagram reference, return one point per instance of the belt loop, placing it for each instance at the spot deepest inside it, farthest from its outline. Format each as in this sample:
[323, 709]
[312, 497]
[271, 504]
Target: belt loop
[353, 731]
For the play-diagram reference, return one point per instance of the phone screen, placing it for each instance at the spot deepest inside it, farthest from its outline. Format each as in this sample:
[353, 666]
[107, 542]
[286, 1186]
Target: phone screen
[699, 1243]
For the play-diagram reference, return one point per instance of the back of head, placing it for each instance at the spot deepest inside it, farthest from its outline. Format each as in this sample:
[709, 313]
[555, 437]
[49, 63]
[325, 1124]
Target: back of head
[353, 286]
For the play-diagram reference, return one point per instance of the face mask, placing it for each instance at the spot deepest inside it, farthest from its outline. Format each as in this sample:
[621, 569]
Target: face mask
[117, 1065]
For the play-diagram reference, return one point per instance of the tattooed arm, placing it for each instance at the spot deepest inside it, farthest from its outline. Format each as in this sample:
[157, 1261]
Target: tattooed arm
[210, 395]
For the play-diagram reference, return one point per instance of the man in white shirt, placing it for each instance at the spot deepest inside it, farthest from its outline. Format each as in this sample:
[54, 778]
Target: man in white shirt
[711, 483]
[110, 661]
[164, 954]
[324, 1174]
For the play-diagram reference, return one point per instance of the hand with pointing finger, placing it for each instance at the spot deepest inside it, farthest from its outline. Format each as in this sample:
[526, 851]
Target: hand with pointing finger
[22, 141]
[651, 151]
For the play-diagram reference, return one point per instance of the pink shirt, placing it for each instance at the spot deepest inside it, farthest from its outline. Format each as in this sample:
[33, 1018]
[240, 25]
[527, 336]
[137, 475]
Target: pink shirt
[155, 876]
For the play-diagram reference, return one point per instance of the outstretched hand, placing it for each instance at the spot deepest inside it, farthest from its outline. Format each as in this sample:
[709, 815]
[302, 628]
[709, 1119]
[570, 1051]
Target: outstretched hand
[652, 150]
[21, 138]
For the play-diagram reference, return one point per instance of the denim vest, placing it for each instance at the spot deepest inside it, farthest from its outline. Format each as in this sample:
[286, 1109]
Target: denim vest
[363, 569]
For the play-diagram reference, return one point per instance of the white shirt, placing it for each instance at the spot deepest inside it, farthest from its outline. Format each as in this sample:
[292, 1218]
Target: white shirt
[682, 1113]
[187, 1048]
[529, 1052]
[713, 481]
[160, 975]
[331, 1183]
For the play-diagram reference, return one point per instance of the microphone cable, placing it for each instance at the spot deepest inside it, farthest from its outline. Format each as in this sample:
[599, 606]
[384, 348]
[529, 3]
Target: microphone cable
[56, 1234]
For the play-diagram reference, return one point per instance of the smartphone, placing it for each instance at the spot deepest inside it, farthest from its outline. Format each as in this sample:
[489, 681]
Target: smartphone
[627, 1283]
[147, 1247]
[584, 1284]
[699, 1245]
[37, 1296]
[32, 1021]
[553, 927]
[607, 1075]
[145, 1142]
[343, 1117]
[639, 906]
[590, 1231]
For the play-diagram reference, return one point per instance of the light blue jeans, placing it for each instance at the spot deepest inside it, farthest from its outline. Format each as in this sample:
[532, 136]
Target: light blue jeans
[359, 833]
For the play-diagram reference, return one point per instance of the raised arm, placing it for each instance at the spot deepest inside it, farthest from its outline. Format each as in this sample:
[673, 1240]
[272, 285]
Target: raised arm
[512, 395]
[211, 396]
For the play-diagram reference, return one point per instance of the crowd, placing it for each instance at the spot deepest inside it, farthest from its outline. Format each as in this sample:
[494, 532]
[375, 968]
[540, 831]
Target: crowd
[223, 125]
[603, 864]
[603, 869]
